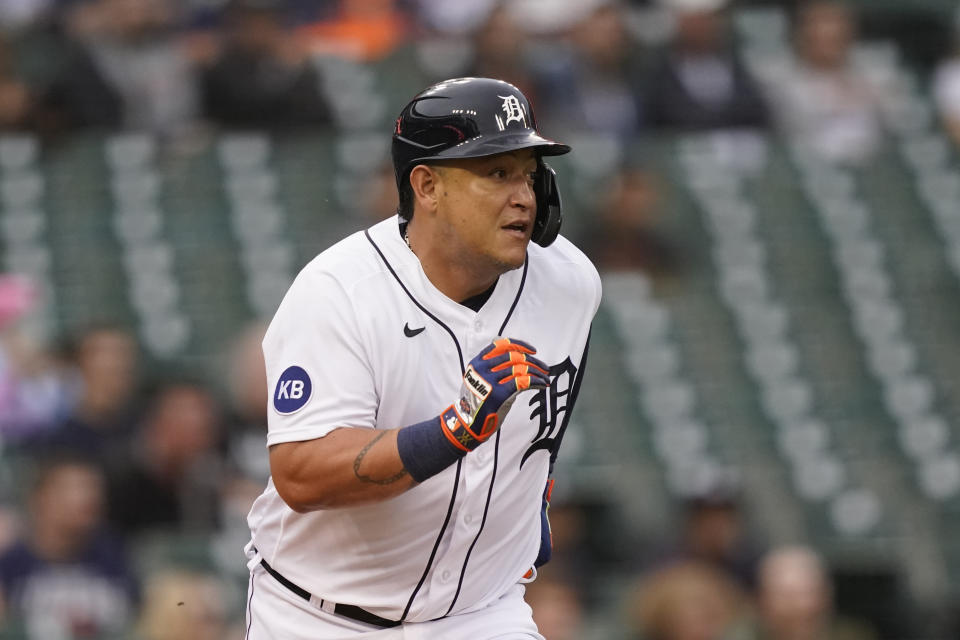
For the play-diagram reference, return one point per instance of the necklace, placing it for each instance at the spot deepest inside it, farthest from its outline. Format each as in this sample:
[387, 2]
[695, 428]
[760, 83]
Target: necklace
[406, 238]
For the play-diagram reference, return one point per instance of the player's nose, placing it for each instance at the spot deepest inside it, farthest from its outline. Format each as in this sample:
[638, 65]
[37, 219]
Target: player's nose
[523, 196]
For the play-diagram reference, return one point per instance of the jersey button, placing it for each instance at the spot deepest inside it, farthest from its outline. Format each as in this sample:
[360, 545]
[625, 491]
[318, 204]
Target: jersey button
[468, 518]
[445, 576]
[478, 325]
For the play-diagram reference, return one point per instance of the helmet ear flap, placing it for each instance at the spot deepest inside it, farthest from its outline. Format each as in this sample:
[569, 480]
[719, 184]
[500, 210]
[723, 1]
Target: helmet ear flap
[546, 226]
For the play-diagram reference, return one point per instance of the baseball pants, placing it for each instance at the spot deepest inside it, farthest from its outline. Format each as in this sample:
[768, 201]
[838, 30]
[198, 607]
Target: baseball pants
[274, 613]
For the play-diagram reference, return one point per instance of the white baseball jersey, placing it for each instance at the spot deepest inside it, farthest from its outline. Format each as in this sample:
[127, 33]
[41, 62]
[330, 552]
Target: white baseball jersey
[363, 339]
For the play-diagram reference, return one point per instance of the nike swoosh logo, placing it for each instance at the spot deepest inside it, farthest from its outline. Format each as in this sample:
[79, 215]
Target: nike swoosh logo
[407, 331]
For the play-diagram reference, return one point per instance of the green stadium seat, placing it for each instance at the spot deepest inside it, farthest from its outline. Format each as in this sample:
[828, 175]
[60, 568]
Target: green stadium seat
[653, 363]
[940, 476]
[243, 152]
[763, 324]
[909, 398]
[137, 226]
[742, 286]
[30, 260]
[739, 253]
[669, 401]
[891, 359]
[773, 361]
[18, 152]
[130, 151]
[786, 400]
[20, 227]
[819, 477]
[21, 190]
[923, 437]
[856, 512]
[803, 440]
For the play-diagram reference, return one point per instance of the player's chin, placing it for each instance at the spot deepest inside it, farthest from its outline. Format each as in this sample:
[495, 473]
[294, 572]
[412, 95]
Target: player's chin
[511, 260]
[513, 251]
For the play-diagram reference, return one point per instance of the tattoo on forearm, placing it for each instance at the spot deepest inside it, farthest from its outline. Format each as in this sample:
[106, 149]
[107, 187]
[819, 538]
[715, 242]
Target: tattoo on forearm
[365, 478]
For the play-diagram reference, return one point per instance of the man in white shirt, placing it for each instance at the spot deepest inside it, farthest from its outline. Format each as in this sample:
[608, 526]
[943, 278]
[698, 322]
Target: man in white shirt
[407, 499]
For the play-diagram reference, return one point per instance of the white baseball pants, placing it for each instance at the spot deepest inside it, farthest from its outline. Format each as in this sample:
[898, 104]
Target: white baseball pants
[274, 613]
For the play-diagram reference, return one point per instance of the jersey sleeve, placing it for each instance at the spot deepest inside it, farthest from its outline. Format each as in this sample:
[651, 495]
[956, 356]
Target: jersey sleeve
[595, 287]
[584, 284]
[318, 371]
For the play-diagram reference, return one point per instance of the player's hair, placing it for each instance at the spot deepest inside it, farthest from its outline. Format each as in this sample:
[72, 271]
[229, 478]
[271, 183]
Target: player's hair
[40, 470]
[405, 196]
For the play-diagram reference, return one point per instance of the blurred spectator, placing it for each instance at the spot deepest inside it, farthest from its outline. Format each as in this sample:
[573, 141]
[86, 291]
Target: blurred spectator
[687, 601]
[379, 196]
[454, 18]
[596, 88]
[247, 465]
[133, 48]
[572, 560]
[589, 542]
[16, 99]
[699, 82]
[21, 14]
[557, 607]
[946, 87]
[66, 577]
[76, 95]
[249, 396]
[63, 59]
[624, 234]
[536, 17]
[262, 77]
[362, 30]
[182, 604]
[171, 479]
[713, 532]
[33, 394]
[498, 51]
[106, 360]
[823, 100]
[795, 601]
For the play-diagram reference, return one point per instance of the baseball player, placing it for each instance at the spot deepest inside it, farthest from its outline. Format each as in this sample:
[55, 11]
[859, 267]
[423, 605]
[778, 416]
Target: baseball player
[423, 373]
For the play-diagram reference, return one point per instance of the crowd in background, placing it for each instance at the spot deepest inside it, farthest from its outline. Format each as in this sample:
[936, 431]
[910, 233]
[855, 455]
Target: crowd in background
[105, 454]
[617, 67]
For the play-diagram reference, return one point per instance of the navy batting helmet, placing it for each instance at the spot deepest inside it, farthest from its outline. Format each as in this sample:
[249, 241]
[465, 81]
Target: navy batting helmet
[471, 118]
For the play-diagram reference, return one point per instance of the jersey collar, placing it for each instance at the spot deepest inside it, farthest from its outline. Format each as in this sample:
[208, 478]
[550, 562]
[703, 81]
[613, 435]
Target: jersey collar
[405, 263]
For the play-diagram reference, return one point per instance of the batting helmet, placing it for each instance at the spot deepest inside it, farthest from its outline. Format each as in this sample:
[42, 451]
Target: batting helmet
[471, 118]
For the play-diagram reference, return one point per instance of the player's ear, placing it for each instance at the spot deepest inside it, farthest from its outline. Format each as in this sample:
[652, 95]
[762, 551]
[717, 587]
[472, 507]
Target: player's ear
[423, 182]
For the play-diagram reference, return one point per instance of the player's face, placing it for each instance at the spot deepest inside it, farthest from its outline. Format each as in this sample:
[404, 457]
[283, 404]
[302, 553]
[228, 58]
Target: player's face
[487, 208]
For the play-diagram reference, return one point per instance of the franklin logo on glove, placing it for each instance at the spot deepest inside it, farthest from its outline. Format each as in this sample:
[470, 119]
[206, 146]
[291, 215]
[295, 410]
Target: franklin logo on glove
[477, 384]
[491, 383]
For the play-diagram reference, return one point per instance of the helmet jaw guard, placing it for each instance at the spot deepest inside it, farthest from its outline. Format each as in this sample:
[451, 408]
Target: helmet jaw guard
[546, 226]
[472, 118]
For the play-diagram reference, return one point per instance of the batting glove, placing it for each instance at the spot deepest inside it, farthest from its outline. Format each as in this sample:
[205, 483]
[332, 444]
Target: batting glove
[490, 385]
